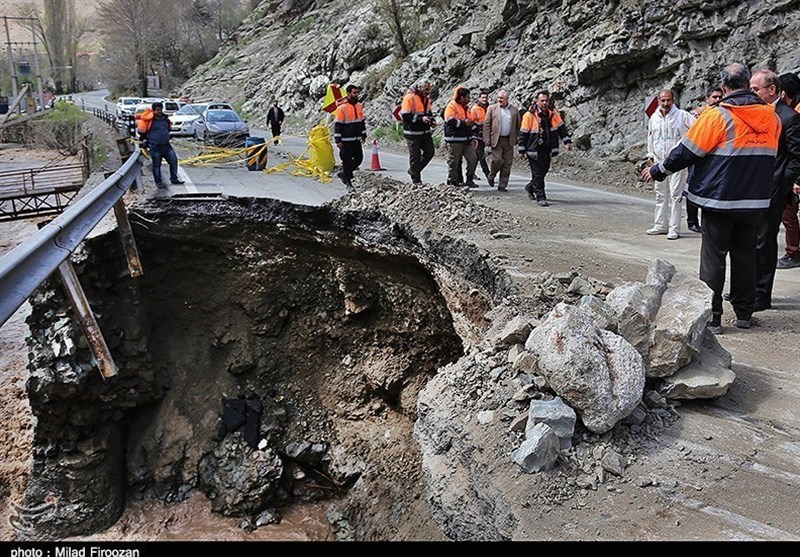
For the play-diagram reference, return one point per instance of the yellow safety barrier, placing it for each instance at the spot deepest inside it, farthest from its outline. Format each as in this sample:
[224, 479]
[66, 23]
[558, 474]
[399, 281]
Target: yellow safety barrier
[321, 161]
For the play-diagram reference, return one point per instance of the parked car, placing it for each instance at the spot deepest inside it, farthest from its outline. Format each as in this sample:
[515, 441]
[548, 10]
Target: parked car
[126, 106]
[221, 127]
[183, 120]
[171, 106]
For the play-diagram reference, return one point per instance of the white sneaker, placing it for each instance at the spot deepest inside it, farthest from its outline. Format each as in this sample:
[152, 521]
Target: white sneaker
[673, 236]
[655, 230]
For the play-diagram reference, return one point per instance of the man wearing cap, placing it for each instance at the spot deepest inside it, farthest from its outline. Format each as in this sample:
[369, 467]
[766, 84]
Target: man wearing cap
[154, 129]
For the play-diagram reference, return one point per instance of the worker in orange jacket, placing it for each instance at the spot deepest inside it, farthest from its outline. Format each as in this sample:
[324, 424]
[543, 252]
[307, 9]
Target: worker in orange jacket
[458, 134]
[418, 120]
[349, 133]
[478, 116]
[539, 134]
[732, 147]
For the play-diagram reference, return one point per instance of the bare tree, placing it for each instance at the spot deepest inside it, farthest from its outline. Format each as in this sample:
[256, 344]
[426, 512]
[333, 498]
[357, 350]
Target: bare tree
[129, 38]
[60, 30]
[404, 32]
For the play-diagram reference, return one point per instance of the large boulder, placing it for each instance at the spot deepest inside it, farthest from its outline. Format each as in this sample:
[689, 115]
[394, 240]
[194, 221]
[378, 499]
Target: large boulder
[598, 373]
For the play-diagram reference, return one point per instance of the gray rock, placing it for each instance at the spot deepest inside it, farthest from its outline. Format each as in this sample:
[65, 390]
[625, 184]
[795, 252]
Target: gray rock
[539, 451]
[525, 392]
[560, 417]
[519, 423]
[515, 351]
[485, 417]
[580, 285]
[679, 325]
[267, 517]
[636, 306]
[525, 363]
[596, 372]
[659, 274]
[516, 331]
[707, 376]
[613, 462]
[603, 315]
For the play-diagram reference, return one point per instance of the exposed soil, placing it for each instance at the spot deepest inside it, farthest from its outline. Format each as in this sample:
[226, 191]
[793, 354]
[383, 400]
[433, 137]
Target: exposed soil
[698, 450]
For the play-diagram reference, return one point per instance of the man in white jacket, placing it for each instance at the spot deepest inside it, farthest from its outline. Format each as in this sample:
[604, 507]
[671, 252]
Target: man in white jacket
[667, 126]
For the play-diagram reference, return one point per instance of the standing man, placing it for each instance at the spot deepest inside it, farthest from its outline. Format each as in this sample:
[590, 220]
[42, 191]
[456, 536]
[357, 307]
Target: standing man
[153, 129]
[539, 141]
[733, 148]
[275, 120]
[713, 96]
[458, 136]
[767, 86]
[417, 123]
[350, 132]
[790, 85]
[500, 131]
[665, 129]
[478, 115]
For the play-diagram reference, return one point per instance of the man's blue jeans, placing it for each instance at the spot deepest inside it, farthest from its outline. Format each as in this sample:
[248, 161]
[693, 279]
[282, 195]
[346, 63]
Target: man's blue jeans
[165, 151]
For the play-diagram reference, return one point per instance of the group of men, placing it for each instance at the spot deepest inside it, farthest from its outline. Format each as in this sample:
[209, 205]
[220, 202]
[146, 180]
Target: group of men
[485, 134]
[743, 156]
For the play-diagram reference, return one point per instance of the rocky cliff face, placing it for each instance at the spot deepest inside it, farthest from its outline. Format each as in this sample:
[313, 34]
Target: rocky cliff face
[601, 59]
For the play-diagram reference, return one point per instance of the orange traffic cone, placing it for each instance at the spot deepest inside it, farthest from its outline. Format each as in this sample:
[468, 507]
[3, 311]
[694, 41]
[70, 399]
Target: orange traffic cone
[376, 161]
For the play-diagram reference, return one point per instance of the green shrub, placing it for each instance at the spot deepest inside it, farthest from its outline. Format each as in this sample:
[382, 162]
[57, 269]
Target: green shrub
[61, 128]
[393, 133]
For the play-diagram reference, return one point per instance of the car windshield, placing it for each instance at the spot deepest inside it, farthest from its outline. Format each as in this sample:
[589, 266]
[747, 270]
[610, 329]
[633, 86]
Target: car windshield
[170, 106]
[196, 108]
[130, 101]
[187, 110]
[223, 116]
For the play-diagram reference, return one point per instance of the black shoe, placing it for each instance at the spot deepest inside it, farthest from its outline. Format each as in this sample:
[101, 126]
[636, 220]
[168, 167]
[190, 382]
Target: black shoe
[177, 182]
[761, 306]
[531, 195]
[472, 184]
[543, 203]
[695, 228]
[491, 182]
[715, 325]
[743, 323]
[787, 262]
[160, 185]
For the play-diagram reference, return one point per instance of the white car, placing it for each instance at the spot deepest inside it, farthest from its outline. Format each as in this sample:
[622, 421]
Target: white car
[183, 120]
[126, 106]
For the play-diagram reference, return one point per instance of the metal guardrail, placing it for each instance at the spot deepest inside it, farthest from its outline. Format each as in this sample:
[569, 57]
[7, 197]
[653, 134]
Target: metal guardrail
[25, 267]
[105, 116]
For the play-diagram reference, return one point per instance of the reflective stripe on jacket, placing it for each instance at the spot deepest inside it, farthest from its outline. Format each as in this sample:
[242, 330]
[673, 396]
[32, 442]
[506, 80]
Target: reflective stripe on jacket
[542, 130]
[413, 108]
[456, 129]
[348, 125]
[732, 147]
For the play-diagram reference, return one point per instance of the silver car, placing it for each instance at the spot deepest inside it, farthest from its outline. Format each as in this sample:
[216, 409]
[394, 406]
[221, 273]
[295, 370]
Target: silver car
[221, 127]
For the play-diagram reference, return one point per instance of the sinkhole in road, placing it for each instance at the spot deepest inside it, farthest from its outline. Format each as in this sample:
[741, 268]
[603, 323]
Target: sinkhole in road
[270, 354]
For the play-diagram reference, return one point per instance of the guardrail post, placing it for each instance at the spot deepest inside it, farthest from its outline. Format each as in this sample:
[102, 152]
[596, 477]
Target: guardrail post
[128, 242]
[91, 330]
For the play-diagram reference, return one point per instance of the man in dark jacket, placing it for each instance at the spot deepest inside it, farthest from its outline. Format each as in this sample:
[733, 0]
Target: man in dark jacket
[275, 120]
[349, 133]
[732, 147]
[767, 85]
[155, 137]
[539, 135]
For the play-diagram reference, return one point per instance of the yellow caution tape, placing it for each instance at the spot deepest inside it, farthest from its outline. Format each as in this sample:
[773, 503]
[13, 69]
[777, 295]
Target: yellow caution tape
[319, 164]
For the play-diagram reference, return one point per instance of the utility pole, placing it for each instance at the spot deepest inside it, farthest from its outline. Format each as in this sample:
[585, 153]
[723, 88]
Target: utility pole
[36, 65]
[12, 70]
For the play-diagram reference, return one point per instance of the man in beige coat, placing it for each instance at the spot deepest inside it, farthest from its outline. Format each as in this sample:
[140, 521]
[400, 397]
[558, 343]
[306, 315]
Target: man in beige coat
[500, 131]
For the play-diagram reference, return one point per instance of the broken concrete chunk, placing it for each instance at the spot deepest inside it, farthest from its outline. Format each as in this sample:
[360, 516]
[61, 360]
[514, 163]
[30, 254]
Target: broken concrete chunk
[525, 363]
[636, 306]
[580, 285]
[539, 451]
[613, 462]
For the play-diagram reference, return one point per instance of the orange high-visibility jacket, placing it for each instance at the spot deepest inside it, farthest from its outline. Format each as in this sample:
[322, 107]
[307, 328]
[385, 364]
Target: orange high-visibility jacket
[478, 115]
[144, 121]
[413, 108]
[456, 129]
[542, 129]
[732, 147]
[348, 124]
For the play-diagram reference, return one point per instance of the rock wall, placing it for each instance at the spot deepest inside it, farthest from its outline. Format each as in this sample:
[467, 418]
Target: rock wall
[600, 59]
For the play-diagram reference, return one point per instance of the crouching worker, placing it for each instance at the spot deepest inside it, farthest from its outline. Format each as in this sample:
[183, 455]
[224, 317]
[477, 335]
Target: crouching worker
[153, 128]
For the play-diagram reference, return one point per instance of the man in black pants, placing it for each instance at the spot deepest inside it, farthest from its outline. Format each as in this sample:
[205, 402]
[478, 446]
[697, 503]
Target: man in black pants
[768, 86]
[538, 141]
[350, 132]
[733, 148]
[275, 120]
